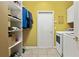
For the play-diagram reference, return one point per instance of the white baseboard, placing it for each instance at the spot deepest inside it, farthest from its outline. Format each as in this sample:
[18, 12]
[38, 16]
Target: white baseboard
[27, 47]
[30, 47]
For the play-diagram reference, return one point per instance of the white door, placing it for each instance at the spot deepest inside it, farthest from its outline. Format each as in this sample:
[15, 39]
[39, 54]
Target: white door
[76, 19]
[76, 25]
[45, 29]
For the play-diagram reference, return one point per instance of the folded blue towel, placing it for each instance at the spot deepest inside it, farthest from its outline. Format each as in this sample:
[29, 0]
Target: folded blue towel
[27, 19]
[24, 18]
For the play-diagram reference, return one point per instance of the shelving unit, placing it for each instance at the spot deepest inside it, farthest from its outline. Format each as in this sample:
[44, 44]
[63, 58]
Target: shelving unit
[15, 10]
[13, 6]
[13, 19]
[11, 28]
[14, 30]
[15, 44]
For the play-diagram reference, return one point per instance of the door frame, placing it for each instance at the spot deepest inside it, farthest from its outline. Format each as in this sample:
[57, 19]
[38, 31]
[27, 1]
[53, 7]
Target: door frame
[52, 25]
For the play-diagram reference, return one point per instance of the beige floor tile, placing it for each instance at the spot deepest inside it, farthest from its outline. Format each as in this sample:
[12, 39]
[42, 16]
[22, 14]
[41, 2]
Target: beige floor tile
[41, 52]
[29, 52]
[52, 55]
[35, 52]
[35, 55]
[45, 55]
[27, 55]
[52, 51]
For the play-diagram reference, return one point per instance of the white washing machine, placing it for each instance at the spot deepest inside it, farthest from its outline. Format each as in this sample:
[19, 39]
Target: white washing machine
[59, 40]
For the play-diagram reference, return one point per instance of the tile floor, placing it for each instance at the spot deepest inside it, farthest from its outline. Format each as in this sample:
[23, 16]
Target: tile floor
[41, 52]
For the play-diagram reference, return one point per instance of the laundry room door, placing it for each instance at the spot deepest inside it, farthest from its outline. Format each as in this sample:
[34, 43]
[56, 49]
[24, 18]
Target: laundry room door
[45, 29]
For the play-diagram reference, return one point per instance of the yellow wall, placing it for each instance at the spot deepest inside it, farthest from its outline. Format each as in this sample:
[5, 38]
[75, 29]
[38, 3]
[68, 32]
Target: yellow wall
[59, 9]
